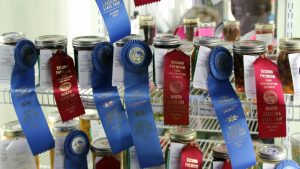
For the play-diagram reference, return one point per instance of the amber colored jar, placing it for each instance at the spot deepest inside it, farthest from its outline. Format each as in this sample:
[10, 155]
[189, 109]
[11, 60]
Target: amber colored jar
[287, 46]
[11, 131]
[248, 47]
[190, 27]
[147, 28]
[85, 121]
[231, 31]
[265, 32]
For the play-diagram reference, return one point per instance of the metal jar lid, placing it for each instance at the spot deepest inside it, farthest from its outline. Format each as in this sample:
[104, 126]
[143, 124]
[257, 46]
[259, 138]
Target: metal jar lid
[90, 114]
[11, 129]
[206, 24]
[271, 153]
[289, 44]
[250, 47]
[183, 134]
[295, 139]
[166, 40]
[146, 20]
[54, 117]
[87, 41]
[68, 126]
[210, 41]
[121, 42]
[231, 23]
[101, 146]
[220, 151]
[51, 41]
[264, 26]
[11, 37]
[191, 21]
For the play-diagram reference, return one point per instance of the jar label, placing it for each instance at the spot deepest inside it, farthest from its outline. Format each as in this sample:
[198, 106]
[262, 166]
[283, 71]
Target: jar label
[45, 70]
[85, 67]
[268, 166]
[159, 57]
[59, 157]
[134, 164]
[118, 70]
[249, 76]
[200, 106]
[217, 164]
[7, 63]
[268, 38]
[175, 155]
[97, 130]
[294, 60]
[201, 70]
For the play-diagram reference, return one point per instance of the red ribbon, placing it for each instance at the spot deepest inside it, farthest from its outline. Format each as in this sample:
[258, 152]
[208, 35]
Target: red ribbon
[270, 101]
[191, 157]
[227, 164]
[144, 2]
[176, 88]
[65, 86]
[108, 162]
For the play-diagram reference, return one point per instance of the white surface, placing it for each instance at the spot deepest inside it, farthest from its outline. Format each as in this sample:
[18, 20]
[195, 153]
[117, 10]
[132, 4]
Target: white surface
[159, 58]
[201, 70]
[85, 68]
[7, 63]
[175, 158]
[249, 76]
[59, 158]
[45, 69]
[294, 60]
[118, 69]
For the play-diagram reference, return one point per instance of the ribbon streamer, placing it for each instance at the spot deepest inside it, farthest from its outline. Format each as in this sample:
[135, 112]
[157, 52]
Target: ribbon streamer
[25, 102]
[144, 2]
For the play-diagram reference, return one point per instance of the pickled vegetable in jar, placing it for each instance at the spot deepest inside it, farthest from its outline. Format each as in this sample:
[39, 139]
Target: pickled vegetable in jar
[270, 155]
[190, 27]
[265, 32]
[147, 28]
[231, 31]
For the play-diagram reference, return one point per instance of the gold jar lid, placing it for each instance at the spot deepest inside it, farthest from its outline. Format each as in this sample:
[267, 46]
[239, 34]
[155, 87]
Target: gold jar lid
[101, 146]
[12, 129]
[121, 42]
[271, 153]
[54, 117]
[206, 24]
[90, 114]
[231, 23]
[87, 41]
[250, 47]
[220, 151]
[183, 134]
[208, 41]
[290, 44]
[68, 126]
[146, 20]
[11, 37]
[191, 21]
[50, 41]
[265, 26]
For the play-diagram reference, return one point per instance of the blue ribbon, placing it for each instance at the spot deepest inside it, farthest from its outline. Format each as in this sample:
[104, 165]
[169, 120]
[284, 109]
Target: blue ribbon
[107, 100]
[136, 57]
[115, 17]
[229, 110]
[25, 102]
[287, 164]
[76, 148]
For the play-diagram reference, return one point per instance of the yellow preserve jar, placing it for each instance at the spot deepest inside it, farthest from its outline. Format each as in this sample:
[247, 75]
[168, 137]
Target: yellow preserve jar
[270, 155]
[85, 121]
[11, 131]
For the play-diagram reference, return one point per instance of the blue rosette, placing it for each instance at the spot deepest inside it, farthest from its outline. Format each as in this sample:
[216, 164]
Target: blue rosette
[287, 164]
[136, 56]
[102, 57]
[25, 54]
[76, 148]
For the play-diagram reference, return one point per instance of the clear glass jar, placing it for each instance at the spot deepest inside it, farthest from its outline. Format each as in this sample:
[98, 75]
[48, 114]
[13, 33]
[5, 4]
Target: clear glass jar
[11, 131]
[295, 140]
[147, 28]
[162, 45]
[190, 27]
[265, 32]
[206, 28]
[8, 42]
[100, 148]
[47, 46]
[83, 48]
[60, 132]
[207, 41]
[220, 155]
[248, 47]
[85, 121]
[271, 155]
[231, 31]
[287, 46]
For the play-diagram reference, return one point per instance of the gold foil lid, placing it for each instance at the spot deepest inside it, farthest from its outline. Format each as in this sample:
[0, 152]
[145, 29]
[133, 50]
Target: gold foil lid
[11, 37]
[265, 26]
[272, 153]
[190, 21]
[208, 41]
[11, 129]
[51, 41]
[183, 134]
[250, 46]
[146, 20]
[295, 139]
[220, 151]
[87, 41]
[101, 146]
[289, 44]
[231, 23]
[90, 114]
[206, 24]
[54, 117]
[121, 42]
[68, 126]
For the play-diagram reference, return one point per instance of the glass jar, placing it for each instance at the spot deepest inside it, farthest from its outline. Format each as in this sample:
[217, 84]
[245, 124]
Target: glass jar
[60, 132]
[231, 31]
[207, 41]
[100, 148]
[206, 28]
[287, 46]
[182, 135]
[147, 28]
[52, 118]
[248, 47]
[265, 32]
[270, 155]
[47, 46]
[190, 27]
[295, 140]
[83, 48]
[8, 42]
[11, 131]
[220, 155]
[162, 45]
[85, 121]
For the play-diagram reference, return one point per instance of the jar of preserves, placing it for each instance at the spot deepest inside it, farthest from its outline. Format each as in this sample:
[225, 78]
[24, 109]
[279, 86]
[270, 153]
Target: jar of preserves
[206, 28]
[190, 27]
[8, 42]
[147, 28]
[270, 155]
[83, 48]
[100, 148]
[47, 46]
[60, 132]
[162, 45]
[10, 132]
[295, 140]
[207, 41]
[231, 31]
[220, 155]
[265, 32]
[248, 47]
[287, 46]
[85, 121]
